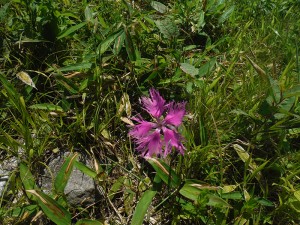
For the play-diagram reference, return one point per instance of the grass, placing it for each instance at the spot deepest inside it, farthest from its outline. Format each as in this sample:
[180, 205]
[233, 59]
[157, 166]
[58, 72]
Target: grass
[236, 64]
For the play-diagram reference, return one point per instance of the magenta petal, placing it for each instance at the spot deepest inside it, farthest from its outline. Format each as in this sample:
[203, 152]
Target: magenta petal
[155, 104]
[142, 129]
[175, 114]
[172, 139]
[150, 145]
[154, 146]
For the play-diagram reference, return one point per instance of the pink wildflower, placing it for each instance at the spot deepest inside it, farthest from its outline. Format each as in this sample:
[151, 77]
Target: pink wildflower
[159, 137]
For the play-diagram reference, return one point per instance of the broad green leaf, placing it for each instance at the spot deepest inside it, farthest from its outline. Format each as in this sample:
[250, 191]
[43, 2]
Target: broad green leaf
[297, 195]
[165, 172]
[119, 183]
[85, 169]
[167, 27]
[64, 173]
[76, 67]
[27, 179]
[88, 222]
[142, 207]
[226, 14]
[51, 208]
[119, 43]
[159, 7]
[24, 211]
[216, 201]
[192, 188]
[189, 69]
[233, 195]
[129, 46]
[294, 91]
[47, 106]
[265, 202]
[207, 67]
[104, 45]
[71, 30]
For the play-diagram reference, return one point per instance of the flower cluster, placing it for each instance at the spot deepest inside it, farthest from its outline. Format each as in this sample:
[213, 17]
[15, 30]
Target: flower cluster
[159, 137]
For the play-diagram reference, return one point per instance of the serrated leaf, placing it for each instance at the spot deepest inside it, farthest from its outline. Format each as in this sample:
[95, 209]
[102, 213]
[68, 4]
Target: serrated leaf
[142, 207]
[189, 69]
[159, 7]
[51, 208]
[64, 173]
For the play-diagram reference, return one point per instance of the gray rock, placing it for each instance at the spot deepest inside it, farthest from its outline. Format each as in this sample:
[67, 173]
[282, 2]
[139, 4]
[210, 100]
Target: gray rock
[80, 189]
[6, 168]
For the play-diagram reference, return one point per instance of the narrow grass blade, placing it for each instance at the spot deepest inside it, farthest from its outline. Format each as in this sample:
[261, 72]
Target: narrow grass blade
[64, 173]
[142, 207]
[71, 30]
[76, 67]
[51, 208]
[47, 106]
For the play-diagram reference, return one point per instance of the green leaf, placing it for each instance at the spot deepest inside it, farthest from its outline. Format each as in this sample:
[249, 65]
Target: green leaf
[159, 7]
[207, 67]
[217, 202]
[116, 187]
[294, 91]
[88, 222]
[129, 46]
[85, 169]
[192, 188]
[297, 195]
[47, 106]
[70, 30]
[104, 45]
[226, 14]
[233, 195]
[24, 210]
[64, 173]
[27, 179]
[265, 202]
[165, 172]
[167, 27]
[51, 208]
[142, 207]
[76, 67]
[119, 43]
[189, 69]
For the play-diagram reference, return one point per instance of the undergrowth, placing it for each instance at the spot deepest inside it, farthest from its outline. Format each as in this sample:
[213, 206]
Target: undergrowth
[71, 76]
